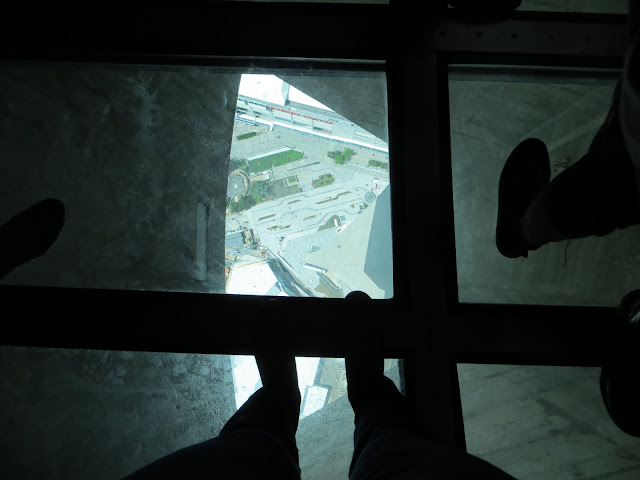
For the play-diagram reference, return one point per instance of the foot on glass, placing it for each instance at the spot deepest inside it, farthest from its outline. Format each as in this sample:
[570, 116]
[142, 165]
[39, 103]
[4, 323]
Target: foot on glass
[526, 172]
[30, 233]
[278, 370]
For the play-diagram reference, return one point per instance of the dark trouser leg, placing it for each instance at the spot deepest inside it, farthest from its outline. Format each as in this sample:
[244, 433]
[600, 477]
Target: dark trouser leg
[620, 377]
[389, 443]
[258, 441]
[594, 196]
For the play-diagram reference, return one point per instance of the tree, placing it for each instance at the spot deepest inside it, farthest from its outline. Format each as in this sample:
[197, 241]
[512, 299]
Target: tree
[261, 190]
[234, 164]
[243, 203]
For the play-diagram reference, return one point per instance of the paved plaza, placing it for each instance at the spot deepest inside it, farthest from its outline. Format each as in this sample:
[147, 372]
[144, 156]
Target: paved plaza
[314, 148]
[294, 227]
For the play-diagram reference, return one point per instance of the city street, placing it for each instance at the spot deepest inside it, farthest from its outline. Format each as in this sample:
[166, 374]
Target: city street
[314, 148]
[292, 227]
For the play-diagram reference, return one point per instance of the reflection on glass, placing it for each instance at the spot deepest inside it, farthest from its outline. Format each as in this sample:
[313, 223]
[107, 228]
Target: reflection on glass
[544, 421]
[308, 207]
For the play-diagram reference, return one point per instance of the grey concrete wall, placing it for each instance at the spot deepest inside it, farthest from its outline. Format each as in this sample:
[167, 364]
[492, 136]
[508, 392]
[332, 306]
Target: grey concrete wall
[358, 97]
[78, 414]
[131, 152]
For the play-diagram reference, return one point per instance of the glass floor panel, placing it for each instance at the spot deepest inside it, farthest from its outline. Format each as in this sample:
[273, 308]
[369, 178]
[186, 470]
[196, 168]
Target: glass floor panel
[201, 179]
[492, 110]
[79, 414]
[544, 422]
[308, 207]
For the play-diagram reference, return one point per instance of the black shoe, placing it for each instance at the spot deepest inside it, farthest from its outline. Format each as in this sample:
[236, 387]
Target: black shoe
[278, 370]
[30, 233]
[365, 373]
[620, 377]
[526, 172]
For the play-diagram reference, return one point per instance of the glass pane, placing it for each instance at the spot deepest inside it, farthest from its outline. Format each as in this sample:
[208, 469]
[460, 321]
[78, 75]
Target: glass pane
[308, 197]
[544, 422]
[321, 380]
[139, 155]
[492, 111]
[578, 6]
[78, 414]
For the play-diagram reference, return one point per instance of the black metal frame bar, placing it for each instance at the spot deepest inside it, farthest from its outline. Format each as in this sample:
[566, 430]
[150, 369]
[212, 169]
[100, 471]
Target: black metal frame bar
[430, 330]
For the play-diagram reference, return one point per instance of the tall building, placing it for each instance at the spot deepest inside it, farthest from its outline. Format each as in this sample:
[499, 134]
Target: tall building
[268, 100]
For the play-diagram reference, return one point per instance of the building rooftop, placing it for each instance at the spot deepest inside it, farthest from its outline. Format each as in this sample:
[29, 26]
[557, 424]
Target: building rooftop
[275, 90]
[253, 279]
[233, 240]
[264, 87]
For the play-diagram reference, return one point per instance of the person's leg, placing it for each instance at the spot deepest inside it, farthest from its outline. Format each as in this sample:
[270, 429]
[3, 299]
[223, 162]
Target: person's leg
[378, 407]
[594, 196]
[276, 406]
[620, 376]
[390, 443]
[257, 442]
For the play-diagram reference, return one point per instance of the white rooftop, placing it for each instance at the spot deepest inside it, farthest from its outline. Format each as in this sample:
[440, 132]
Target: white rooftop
[264, 87]
[246, 380]
[254, 279]
[296, 95]
[274, 90]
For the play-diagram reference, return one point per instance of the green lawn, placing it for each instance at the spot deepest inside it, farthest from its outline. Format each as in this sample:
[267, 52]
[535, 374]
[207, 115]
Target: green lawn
[282, 158]
[376, 163]
[263, 191]
[244, 136]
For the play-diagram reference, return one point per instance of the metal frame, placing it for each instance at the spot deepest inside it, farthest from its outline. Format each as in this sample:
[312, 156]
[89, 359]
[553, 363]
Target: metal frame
[431, 330]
